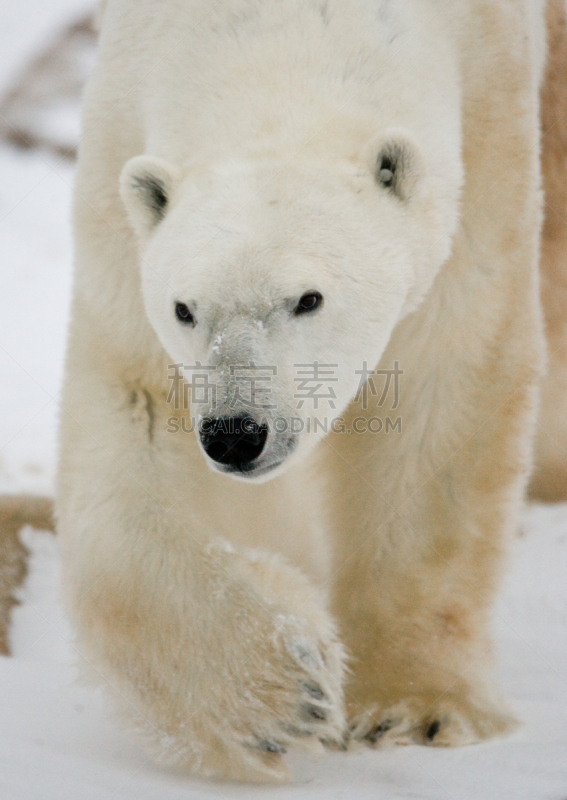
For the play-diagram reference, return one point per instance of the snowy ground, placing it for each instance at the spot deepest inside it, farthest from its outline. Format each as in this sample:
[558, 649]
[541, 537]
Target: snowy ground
[56, 741]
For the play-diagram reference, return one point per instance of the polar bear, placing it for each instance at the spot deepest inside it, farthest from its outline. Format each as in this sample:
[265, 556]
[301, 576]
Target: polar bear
[322, 191]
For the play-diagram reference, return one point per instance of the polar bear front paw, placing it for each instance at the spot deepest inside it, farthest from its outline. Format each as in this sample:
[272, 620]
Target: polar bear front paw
[298, 702]
[315, 719]
[264, 673]
[444, 723]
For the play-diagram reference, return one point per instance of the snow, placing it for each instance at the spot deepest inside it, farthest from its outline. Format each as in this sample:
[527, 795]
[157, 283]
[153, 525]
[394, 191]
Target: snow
[58, 741]
[35, 260]
[57, 738]
[28, 25]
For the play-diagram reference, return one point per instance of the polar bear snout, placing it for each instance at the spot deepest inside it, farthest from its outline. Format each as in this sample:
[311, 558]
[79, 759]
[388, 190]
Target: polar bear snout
[234, 442]
[245, 447]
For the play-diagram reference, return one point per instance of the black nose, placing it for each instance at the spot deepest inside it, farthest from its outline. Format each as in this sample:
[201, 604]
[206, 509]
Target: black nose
[235, 441]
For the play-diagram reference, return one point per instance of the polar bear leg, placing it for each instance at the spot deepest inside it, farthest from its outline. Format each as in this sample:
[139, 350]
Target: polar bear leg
[222, 657]
[419, 550]
[420, 522]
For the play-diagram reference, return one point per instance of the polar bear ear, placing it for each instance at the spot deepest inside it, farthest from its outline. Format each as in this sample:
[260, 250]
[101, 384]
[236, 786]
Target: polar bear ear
[146, 185]
[398, 163]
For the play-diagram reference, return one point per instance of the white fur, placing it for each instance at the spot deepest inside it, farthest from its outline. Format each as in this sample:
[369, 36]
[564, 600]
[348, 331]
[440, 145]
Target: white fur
[262, 123]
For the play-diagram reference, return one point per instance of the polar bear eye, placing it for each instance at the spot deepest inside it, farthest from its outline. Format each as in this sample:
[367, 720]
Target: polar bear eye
[309, 302]
[183, 314]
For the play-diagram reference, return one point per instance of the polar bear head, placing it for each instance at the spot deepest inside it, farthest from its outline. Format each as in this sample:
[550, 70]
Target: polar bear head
[274, 279]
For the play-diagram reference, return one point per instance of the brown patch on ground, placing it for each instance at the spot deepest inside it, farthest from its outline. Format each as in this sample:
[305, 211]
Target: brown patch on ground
[15, 512]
